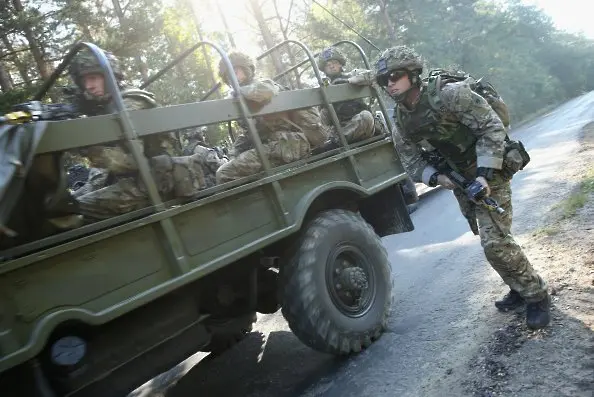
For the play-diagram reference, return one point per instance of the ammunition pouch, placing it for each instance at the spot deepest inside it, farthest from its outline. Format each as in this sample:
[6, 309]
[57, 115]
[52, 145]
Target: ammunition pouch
[515, 158]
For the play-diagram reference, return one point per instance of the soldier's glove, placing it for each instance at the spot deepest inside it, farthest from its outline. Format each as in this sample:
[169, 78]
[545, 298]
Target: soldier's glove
[484, 190]
[364, 78]
[340, 81]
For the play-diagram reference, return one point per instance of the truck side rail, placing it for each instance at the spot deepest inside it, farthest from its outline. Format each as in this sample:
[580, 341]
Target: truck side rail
[64, 135]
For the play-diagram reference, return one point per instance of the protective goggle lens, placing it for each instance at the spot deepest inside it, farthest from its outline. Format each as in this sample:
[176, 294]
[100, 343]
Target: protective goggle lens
[392, 76]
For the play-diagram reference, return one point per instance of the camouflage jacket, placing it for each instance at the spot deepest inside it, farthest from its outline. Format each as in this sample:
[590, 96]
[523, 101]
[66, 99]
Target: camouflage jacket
[258, 93]
[308, 121]
[116, 158]
[466, 131]
[346, 110]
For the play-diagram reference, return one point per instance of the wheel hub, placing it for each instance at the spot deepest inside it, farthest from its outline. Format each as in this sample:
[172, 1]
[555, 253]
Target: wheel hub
[353, 279]
[350, 281]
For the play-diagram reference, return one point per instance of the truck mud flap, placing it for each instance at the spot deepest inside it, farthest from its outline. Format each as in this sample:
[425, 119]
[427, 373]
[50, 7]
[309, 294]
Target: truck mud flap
[387, 212]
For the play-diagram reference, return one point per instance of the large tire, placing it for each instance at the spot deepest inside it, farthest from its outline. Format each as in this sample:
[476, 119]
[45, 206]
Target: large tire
[337, 247]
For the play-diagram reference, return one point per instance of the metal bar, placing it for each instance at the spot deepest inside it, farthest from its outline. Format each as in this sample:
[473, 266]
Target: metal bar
[324, 94]
[281, 74]
[114, 226]
[100, 129]
[247, 117]
[58, 71]
[374, 91]
[133, 142]
[212, 90]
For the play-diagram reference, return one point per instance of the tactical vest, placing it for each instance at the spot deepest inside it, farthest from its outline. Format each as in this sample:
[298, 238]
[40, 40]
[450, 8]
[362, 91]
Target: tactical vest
[432, 129]
[346, 110]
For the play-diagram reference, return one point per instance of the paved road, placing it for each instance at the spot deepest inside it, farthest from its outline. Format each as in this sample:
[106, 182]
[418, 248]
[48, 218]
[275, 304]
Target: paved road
[442, 312]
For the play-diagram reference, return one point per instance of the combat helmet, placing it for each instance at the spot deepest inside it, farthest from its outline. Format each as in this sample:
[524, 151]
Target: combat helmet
[398, 58]
[238, 59]
[329, 54]
[86, 63]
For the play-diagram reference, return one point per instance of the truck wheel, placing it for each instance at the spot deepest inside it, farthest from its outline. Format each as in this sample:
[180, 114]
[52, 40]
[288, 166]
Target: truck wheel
[228, 332]
[337, 284]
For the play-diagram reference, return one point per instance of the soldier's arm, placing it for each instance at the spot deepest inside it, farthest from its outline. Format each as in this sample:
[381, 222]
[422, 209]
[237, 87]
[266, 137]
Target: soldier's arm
[260, 91]
[410, 156]
[115, 158]
[361, 77]
[473, 111]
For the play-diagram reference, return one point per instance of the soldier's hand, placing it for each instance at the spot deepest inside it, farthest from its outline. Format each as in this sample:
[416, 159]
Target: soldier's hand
[445, 182]
[485, 184]
[362, 77]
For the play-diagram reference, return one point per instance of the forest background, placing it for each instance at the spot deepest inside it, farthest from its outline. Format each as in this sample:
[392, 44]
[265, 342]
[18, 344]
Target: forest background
[514, 45]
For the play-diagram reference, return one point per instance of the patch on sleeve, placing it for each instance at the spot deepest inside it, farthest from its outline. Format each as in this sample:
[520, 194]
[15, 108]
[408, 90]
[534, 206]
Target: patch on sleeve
[456, 97]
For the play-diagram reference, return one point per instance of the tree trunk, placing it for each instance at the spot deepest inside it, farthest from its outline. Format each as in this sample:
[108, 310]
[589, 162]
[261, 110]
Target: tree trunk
[266, 34]
[17, 62]
[284, 29]
[227, 31]
[5, 79]
[36, 50]
[387, 21]
[205, 54]
[140, 64]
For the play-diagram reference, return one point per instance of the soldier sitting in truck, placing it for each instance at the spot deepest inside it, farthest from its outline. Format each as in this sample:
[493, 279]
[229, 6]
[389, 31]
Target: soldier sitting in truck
[286, 137]
[356, 120]
[176, 176]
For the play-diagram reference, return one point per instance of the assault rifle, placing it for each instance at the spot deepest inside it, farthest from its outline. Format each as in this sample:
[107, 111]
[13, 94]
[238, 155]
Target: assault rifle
[473, 190]
[35, 111]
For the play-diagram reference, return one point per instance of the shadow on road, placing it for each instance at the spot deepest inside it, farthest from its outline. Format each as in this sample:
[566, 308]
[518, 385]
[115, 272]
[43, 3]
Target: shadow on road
[278, 365]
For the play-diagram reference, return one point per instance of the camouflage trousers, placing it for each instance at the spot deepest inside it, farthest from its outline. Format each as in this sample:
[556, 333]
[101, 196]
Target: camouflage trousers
[174, 177]
[361, 126]
[283, 147]
[501, 249]
[210, 163]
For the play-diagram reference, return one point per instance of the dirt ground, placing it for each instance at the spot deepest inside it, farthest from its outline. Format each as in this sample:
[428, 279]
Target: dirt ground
[557, 361]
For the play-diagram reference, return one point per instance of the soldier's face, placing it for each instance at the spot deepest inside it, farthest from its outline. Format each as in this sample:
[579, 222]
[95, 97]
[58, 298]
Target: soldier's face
[398, 83]
[94, 84]
[241, 75]
[332, 67]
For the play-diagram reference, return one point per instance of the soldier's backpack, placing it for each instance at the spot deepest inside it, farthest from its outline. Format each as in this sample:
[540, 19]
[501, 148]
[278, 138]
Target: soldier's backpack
[516, 156]
[438, 77]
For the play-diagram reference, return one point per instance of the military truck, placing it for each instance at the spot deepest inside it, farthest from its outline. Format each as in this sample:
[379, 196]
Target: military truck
[102, 308]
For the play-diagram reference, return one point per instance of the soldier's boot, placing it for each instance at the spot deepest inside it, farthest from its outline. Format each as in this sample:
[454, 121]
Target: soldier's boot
[538, 314]
[511, 301]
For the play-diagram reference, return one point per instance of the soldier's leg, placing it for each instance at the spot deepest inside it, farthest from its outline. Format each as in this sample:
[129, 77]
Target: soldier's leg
[360, 127]
[311, 124]
[503, 252]
[286, 147]
[122, 197]
[245, 164]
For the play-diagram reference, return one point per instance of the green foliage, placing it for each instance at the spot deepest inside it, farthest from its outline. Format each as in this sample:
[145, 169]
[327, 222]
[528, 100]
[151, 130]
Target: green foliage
[513, 45]
[15, 96]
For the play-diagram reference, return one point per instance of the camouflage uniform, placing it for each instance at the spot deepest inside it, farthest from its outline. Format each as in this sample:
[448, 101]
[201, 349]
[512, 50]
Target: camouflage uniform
[469, 134]
[356, 120]
[286, 136]
[175, 176]
[194, 143]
